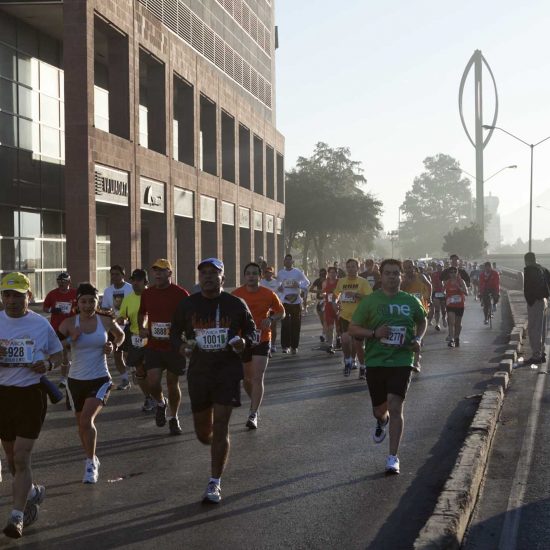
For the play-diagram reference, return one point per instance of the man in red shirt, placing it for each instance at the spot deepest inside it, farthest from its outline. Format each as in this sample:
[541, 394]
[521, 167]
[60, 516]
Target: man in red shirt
[266, 308]
[158, 305]
[61, 303]
[489, 285]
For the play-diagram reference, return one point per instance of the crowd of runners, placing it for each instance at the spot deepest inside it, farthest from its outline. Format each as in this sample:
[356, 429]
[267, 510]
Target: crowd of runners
[376, 314]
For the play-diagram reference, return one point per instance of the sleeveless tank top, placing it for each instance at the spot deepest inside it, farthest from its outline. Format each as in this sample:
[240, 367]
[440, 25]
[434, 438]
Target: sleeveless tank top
[454, 295]
[88, 359]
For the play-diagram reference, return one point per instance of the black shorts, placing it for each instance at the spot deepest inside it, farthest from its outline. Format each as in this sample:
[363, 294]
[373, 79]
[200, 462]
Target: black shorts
[440, 298]
[344, 325]
[320, 307]
[80, 390]
[261, 349]
[136, 356]
[170, 360]
[385, 380]
[458, 311]
[214, 383]
[22, 411]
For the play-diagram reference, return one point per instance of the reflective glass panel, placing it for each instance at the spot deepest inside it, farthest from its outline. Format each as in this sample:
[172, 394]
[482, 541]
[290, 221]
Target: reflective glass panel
[7, 62]
[49, 111]
[53, 254]
[8, 254]
[8, 99]
[49, 79]
[8, 130]
[30, 255]
[49, 142]
[30, 224]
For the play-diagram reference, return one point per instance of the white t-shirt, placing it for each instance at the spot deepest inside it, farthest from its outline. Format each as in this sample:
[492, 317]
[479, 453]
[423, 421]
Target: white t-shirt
[29, 339]
[112, 297]
[292, 282]
[273, 285]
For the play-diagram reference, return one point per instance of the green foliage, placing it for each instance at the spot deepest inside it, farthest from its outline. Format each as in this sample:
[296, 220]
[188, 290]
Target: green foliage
[466, 242]
[439, 201]
[325, 203]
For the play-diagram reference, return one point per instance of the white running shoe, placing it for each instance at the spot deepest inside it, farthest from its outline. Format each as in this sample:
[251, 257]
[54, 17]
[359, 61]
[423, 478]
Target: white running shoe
[379, 433]
[392, 465]
[252, 422]
[213, 493]
[91, 472]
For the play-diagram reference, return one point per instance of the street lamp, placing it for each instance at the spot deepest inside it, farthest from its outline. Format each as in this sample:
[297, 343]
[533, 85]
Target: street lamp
[531, 146]
[393, 235]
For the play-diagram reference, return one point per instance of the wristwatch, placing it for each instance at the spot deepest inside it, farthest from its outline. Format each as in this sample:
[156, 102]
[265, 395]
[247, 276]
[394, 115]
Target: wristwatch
[417, 339]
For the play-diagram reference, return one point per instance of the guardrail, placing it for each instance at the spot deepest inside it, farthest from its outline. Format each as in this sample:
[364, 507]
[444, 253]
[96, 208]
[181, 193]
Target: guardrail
[511, 279]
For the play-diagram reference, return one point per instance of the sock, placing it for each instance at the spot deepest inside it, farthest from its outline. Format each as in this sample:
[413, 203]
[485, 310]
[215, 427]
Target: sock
[170, 417]
[216, 480]
[17, 514]
[124, 377]
[32, 492]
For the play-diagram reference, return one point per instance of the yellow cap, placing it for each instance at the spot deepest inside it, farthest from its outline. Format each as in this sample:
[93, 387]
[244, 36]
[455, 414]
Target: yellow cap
[163, 263]
[15, 281]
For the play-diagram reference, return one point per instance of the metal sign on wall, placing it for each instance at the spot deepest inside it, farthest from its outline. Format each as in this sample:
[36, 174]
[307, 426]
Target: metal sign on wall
[258, 221]
[183, 203]
[152, 195]
[269, 223]
[111, 186]
[228, 213]
[244, 217]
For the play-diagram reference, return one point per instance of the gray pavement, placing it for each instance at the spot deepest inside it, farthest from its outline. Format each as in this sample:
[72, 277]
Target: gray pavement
[309, 477]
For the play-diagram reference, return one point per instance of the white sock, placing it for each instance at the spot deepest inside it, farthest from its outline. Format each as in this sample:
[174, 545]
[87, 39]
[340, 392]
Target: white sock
[170, 417]
[215, 480]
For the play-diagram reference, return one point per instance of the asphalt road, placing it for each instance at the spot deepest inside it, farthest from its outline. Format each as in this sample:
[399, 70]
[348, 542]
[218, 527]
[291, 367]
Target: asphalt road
[309, 477]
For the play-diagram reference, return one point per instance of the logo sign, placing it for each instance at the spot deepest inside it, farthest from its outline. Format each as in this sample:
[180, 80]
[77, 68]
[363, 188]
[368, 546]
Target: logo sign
[183, 203]
[152, 195]
[111, 186]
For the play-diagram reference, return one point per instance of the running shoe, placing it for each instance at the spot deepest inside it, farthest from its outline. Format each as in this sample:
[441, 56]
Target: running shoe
[379, 433]
[286, 350]
[362, 372]
[252, 421]
[457, 342]
[174, 425]
[213, 493]
[91, 471]
[148, 404]
[38, 496]
[417, 367]
[392, 465]
[273, 349]
[14, 528]
[160, 415]
[438, 328]
[62, 383]
[294, 351]
[354, 365]
[486, 322]
[347, 368]
[451, 343]
[30, 514]
[124, 385]
[338, 343]
[322, 338]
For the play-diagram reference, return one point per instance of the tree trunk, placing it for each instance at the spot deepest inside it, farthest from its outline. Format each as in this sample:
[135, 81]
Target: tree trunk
[305, 252]
[319, 243]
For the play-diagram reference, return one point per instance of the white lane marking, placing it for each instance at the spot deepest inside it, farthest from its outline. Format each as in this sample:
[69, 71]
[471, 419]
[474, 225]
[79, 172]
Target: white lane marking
[509, 534]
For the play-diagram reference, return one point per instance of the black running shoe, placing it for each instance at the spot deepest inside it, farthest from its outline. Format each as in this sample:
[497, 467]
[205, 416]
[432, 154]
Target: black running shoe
[457, 342]
[160, 415]
[174, 426]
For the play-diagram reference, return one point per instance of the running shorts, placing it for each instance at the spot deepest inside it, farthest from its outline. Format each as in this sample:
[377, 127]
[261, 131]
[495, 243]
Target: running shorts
[80, 390]
[261, 349]
[384, 380]
[330, 315]
[136, 356]
[22, 411]
[170, 360]
[458, 311]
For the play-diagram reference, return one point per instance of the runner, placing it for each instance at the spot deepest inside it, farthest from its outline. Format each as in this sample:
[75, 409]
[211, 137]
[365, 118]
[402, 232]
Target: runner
[27, 341]
[371, 273]
[393, 324]
[215, 327]
[348, 293]
[438, 307]
[489, 287]
[329, 285]
[158, 304]
[89, 380]
[61, 303]
[291, 281]
[269, 281]
[474, 278]
[112, 300]
[134, 344]
[455, 298]
[266, 308]
[462, 273]
[317, 288]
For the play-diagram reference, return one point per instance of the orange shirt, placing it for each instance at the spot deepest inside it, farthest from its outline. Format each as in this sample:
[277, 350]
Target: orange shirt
[261, 304]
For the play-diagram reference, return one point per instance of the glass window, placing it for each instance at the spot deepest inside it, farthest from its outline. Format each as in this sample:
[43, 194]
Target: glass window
[30, 255]
[8, 130]
[36, 284]
[51, 224]
[49, 142]
[49, 79]
[143, 127]
[50, 278]
[53, 254]
[7, 30]
[9, 222]
[28, 103]
[7, 62]
[27, 39]
[8, 99]
[27, 131]
[103, 253]
[30, 224]
[8, 254]
[103, 278]
[27, 70]
[102, 228]
[49, 111]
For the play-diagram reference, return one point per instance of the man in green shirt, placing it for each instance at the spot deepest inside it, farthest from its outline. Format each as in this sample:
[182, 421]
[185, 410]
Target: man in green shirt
[393, 323]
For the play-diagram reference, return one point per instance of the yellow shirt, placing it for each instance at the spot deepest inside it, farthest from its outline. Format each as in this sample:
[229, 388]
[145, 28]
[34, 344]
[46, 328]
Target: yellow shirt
[418, 288]
[350, 292]
[129, 310]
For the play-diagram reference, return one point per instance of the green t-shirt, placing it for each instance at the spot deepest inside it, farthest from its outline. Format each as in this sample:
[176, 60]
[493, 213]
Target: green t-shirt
[129, 309]
[401, 312]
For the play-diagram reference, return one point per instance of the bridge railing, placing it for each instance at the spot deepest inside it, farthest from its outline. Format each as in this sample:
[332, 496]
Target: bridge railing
[511, 279]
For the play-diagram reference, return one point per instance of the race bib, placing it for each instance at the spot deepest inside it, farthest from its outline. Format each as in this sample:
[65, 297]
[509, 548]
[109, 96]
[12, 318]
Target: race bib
[160, 331]
[348, 297]
[212, 339]
[137, 341]
[330, 297]
[65, 307]
[439, 295]
[256, 337]
[454, 299]
[396, 337]
[18, 351]
[290, 283]
[372, 281]
[291, 298]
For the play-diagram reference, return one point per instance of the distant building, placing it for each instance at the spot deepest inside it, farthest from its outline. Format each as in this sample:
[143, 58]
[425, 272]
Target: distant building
[137, 129]
[492, 232]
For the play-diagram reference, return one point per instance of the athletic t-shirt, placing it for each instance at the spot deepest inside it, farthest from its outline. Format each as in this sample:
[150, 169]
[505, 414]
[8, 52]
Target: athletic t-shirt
[212, 322]
[346, 291]
[400, 312]
[261, 304]
[372, 277]
[159, 304]
[65, 301]
[112, 297]
[418, 288]
[28, 339]
[291, 282]
[129, 309]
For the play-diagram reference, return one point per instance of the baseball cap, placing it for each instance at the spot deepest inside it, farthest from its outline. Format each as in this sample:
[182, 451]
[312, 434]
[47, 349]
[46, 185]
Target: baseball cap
[138, 274]
[218, 264]
[269, 269]
[63, 276]
[15, 281]
[163, 263]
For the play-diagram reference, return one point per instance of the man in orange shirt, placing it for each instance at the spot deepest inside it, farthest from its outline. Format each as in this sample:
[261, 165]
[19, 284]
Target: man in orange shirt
[265, 307]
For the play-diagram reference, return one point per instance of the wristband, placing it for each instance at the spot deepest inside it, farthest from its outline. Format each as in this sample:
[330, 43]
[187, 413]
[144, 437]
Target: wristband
[417, 339]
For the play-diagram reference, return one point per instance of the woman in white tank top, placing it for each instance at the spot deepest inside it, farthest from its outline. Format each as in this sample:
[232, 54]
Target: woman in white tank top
[89, 380]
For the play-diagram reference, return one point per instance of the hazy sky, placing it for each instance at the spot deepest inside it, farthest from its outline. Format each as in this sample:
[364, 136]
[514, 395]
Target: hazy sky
[382, 77]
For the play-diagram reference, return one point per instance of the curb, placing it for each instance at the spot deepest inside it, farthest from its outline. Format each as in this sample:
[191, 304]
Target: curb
[447, 525]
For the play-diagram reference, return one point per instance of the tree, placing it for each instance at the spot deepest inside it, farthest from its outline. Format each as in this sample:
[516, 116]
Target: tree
[439, 201]
[325, 201]
[466, 242]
